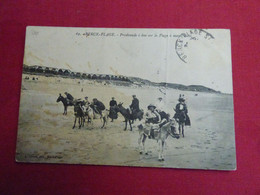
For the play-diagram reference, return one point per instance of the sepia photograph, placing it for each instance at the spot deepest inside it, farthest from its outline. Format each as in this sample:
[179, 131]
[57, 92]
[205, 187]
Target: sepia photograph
[127, 97]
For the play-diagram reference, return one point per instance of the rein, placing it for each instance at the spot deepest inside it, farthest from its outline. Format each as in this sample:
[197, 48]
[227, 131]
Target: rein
[173, 136]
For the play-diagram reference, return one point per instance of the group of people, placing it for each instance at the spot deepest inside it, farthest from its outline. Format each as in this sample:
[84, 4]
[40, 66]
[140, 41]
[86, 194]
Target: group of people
[99, 106]
[155, 112]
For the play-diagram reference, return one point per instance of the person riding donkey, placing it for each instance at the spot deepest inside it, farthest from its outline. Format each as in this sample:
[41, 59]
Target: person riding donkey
[84, 104]
[182, 110]
[159, 104]
[135, 105]
[112, 113]
[153, 120]
[70, 98]
[160, 107]
[98, 106]
[86, 107]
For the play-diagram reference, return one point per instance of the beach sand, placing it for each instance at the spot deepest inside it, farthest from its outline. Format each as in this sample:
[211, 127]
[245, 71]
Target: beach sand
[45, 135]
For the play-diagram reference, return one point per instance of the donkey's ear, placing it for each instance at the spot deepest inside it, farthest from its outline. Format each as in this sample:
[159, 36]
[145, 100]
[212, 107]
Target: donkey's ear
[60, 94]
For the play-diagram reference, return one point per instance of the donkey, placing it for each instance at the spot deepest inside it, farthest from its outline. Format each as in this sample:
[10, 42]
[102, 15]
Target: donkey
[129, 116]
[160, 135]
[65, 103]
[79, 114]
[103, 115]
[89, 113]
[183, 120]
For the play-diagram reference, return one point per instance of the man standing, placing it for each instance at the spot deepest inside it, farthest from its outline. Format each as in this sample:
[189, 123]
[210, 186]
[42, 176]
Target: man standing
[112, 111]
[135, 105]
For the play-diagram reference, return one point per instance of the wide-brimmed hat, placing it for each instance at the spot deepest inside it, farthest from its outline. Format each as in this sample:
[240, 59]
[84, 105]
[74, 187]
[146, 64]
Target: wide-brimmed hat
[134, 95]
[94, 99]
[159, 98]
[86, 97]
[151, 105]
[113, 98]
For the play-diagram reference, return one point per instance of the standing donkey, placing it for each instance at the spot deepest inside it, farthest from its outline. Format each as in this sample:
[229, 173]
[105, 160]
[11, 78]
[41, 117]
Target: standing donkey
[128, 116]
[65, 102]
[160, 135]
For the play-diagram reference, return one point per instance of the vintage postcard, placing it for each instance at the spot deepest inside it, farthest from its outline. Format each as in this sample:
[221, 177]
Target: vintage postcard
[127, 97]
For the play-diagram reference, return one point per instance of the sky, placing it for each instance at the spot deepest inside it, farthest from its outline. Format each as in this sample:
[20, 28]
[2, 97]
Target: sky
[145, 53]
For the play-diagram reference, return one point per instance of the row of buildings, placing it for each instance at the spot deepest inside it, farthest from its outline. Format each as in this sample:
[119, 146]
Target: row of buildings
[48, 71]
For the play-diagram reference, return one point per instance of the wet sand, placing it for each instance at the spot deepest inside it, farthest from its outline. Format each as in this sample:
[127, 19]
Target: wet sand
[45, 135]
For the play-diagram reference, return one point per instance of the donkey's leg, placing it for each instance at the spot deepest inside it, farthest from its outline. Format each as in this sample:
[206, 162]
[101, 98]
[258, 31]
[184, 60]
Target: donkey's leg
[139, 143]
[143, 142]
[90, 120]
[74, 122]
[162, 151]
[182, 129]
[104, 121]
[65, 110]
[130, 125]
[79, 119]
[159, 150]
[125, 123]
[83, 121]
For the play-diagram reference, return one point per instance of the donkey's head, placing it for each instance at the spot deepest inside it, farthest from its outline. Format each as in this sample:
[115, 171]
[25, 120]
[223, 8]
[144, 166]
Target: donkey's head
[120, 105]
[59, 98]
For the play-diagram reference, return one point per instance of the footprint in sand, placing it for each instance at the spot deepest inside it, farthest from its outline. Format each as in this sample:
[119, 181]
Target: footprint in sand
[195, 146]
